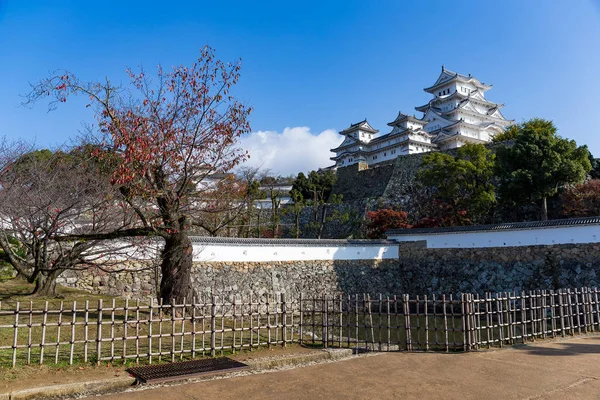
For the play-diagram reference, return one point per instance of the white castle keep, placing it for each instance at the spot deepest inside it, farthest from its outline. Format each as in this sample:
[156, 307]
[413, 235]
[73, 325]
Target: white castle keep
[457, 114]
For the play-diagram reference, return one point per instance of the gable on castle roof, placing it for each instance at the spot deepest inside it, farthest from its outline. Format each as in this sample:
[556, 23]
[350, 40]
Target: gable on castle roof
[447, 76]
[362, 125]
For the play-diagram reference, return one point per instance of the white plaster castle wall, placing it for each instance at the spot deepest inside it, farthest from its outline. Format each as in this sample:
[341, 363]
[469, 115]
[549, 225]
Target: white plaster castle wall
[251, 253]
[507, 238]
[238, 251]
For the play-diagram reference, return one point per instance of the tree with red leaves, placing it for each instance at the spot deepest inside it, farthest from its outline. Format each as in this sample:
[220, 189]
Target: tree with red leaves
[165, 137]
[582, 200]
[381, 221]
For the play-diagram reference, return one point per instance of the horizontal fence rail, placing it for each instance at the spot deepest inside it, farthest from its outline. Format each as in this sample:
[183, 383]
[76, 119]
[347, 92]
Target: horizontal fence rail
[149, 332]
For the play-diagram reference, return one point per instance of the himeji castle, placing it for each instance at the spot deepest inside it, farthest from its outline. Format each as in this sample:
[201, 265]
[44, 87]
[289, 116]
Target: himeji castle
[457, 114]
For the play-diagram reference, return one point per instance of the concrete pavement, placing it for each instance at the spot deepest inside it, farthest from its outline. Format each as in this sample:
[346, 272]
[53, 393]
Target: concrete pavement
[561, 369]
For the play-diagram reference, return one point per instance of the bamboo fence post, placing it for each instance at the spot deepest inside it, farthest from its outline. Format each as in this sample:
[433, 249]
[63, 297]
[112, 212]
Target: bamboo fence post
[500, 314]
[371, 321]
[72, 342]
[523, 317]
[341, 332]
[561, 312]
[137, 331]
[396, 322]
[570, 312]
[464, 322]
[125, 317]
[426, 324]
[544, 314]
[379, 318]
[348, 319]
[172, 352]
[222, 314]
[243, 325]
[183, 328]
[258, 320]
[194, 304]
[160, 322]
[86, 331]
[58, 326]
[112, 331]
[44, 320]
[406, 308]
[452, 302]
[577, 310]
[446, 344]
[356, 325]
[488, 319]
[597, 319]
[203, 302]
[417, 309]
[284, 319]
[552, 313]
[435, 323]
[213, 326]
[300, 330]
[324, 321]
[250, 315]
[16, 335]
[234, 316]
[268, 323]
[509, 322]
[29, 326]
[389, 320]
[150, 317]
[99, 334]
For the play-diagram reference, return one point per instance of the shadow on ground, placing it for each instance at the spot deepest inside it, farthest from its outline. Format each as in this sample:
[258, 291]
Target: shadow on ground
[563, 349]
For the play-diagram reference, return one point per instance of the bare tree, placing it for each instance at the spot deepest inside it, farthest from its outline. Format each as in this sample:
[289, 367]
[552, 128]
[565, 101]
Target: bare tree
[48, 195]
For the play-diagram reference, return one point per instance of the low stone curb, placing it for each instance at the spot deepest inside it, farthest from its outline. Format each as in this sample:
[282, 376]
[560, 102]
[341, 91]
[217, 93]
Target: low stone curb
[116, 384]
[297, 359]
[57, 391]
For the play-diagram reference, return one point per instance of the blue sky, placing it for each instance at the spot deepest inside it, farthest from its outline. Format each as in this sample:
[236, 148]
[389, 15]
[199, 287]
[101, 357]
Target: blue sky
[313, 67]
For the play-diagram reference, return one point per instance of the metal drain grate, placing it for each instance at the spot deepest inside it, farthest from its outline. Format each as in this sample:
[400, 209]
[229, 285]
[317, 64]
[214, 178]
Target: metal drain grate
[185, 369]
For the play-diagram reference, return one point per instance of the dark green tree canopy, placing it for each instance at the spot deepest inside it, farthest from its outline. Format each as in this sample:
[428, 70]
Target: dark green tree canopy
[461, 182]
[538, 163]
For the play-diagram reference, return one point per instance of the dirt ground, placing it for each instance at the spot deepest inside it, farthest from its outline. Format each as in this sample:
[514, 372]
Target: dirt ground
[561, 369]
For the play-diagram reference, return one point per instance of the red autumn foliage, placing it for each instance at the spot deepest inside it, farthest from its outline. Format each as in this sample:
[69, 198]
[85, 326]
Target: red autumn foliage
[380, 221]
[582, 200]
[167, 138]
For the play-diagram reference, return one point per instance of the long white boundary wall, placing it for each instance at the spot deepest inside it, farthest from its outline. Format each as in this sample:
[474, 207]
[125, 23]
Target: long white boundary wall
[589, 233]
[257, 250]
[253, 252]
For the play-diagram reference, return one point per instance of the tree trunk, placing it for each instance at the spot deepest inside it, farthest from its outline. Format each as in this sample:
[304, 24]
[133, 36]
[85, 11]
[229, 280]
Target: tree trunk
[176, 268]
[322, 222]
[544, 209]
[45, 284]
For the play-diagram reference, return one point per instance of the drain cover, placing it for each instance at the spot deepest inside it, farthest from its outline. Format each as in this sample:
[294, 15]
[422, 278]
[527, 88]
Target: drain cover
[185, 369]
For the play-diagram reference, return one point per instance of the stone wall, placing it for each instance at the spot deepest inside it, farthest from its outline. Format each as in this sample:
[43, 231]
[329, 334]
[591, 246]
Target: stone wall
[496, 269]
[418, 271]
[229, 278]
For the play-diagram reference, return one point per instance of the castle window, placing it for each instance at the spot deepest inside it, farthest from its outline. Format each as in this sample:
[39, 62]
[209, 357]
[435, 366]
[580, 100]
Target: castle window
[384, 154]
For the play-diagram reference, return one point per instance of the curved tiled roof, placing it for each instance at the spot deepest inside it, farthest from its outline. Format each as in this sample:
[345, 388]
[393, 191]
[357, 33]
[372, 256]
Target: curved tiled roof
[499, 227]
[288, 242]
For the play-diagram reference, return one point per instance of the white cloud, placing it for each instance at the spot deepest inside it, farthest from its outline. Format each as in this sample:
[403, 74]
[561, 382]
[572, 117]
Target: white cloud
[291, 151]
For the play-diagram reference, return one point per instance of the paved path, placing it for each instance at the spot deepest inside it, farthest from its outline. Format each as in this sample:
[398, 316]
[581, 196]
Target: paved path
[563, 369]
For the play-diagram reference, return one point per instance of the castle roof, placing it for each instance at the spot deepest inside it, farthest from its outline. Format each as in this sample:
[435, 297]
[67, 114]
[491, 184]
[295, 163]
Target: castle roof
[447, 76]
[405, 117]
[474, 96]
[362, 125]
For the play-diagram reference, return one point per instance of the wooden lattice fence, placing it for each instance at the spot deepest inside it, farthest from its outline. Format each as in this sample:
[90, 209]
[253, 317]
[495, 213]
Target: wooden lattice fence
[147, 332]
